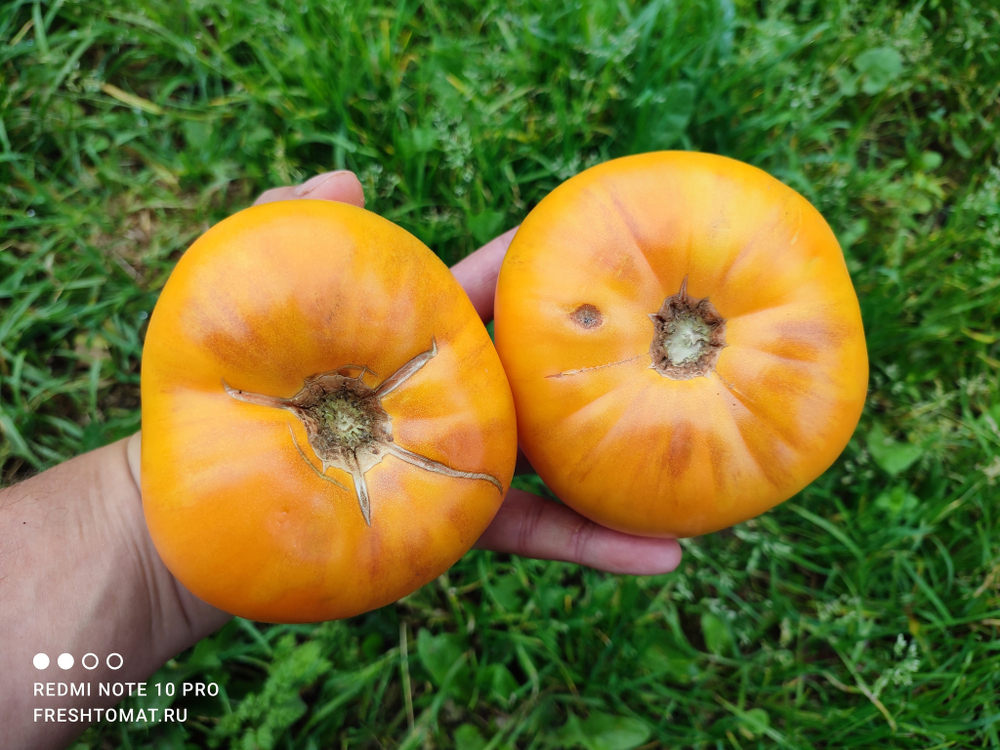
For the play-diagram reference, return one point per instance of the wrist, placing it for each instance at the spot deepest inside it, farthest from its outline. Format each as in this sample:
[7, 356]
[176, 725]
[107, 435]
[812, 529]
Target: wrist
[79, 574]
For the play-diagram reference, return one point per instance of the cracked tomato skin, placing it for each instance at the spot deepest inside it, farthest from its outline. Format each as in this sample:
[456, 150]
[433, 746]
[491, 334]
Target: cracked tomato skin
[621, 443]
[236, 508]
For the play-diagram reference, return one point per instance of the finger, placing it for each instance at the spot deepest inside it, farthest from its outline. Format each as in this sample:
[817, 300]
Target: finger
[531, 526]
[134, 453]
[478, 273]
[341, 186]
[523, 465]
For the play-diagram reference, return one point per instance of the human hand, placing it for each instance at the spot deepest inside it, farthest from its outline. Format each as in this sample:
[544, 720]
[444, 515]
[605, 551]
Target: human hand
[79, 575]
[526, 524]
[79, 572]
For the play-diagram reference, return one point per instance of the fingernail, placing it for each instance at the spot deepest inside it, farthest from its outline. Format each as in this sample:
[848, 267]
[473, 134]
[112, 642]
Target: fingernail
[314, 182]
[662, 556]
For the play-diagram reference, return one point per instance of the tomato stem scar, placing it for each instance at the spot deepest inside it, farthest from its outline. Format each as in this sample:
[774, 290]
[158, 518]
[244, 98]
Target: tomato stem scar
[302, 453]
[689, 336]
[347, 426]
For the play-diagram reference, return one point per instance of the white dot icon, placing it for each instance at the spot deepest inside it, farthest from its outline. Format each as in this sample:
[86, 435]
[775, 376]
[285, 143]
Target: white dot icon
[65, 661]
[41, 661]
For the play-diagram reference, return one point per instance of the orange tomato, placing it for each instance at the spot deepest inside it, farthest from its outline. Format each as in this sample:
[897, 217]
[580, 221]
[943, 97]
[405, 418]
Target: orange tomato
[683, 342]
[326, 424]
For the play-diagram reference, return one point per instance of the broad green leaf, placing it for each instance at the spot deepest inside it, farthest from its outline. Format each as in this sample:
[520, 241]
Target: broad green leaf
[847, 81]
[508, 592]
[897, 501]
[754, 723]
[197, 134]
[879, 67]
[423, 139]
[571, 734]
[501, 684]
[467, 737]
[930, 160]
[893, 456]
[717, 638]
[663, 657]
[601, 731]
[961, 146]
[486, 225]
[439, 652]
[205, 654]
[606, 732]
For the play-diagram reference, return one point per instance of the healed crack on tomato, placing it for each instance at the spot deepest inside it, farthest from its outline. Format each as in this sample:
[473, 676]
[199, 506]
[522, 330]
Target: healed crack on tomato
[690, 335]
[347, 426]
[567, 373]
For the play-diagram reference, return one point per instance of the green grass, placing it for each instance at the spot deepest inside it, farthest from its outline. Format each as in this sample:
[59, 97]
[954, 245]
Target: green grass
[863, 613]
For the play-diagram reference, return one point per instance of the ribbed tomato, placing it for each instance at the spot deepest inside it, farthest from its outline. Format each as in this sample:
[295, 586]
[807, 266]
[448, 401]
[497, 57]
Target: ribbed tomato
[326, 424]
[683, 342]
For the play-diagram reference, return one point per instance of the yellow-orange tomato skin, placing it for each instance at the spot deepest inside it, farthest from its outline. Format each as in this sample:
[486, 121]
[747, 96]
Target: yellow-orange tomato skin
[615, 439]
[274, 295]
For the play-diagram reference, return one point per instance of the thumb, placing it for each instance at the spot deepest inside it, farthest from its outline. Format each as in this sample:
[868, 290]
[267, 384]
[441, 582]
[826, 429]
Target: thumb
[342, 186]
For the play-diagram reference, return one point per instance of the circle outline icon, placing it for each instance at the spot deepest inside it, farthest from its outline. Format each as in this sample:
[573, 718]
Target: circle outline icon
[121, 661]
[83, 660]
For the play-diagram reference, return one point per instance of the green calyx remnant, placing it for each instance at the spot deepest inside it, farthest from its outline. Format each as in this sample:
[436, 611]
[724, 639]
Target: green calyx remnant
[347, 427]
[345, 418]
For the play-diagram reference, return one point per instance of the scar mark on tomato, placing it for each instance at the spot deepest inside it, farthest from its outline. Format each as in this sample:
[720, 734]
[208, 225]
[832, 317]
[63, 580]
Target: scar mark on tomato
[720, 459]
[772, 455]
[799, 352]
[756, 241]
[748, 404]
[587, 316]
[627, 218]
[567, 373]
[751, 435]
[762, 441]
[808, 333]
[681, 450]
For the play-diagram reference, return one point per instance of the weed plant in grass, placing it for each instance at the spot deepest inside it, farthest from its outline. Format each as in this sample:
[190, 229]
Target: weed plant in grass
[863, 613]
